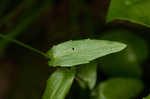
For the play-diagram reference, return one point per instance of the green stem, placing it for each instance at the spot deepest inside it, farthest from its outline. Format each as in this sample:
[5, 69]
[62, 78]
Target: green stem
[21, 27]
[24, 45]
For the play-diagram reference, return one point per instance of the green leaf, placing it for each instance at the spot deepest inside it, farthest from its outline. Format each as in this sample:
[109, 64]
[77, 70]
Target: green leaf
[58, 84]
[148, 97]
[118, 88]
[127, 62]
[78, 52]
[87, 75]
[131, 10]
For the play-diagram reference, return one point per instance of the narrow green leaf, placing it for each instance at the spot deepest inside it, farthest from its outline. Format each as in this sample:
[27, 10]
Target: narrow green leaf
[118, 88]
[58, 84]
[148, 97]
[131, 10]
[78, 52]
[87, 75]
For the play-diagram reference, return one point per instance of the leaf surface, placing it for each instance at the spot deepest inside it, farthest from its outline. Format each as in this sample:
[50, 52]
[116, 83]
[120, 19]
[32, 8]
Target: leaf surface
[87, 75]
[58, 84]
[78, 52]
[118, 88]
[132, 10]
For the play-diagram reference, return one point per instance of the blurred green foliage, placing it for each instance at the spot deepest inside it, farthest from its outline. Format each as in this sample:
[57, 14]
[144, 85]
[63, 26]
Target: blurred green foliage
[133, 10]
[118, 88]
[127, 62]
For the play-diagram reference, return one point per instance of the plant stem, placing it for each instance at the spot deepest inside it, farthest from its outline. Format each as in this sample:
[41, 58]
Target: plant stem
[22, 26]
[24, 45]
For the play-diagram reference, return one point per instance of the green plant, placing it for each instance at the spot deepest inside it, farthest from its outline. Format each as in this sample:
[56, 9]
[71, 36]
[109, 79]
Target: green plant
[130, 88]
[108, 66]
[131, 10]
[70, 54]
